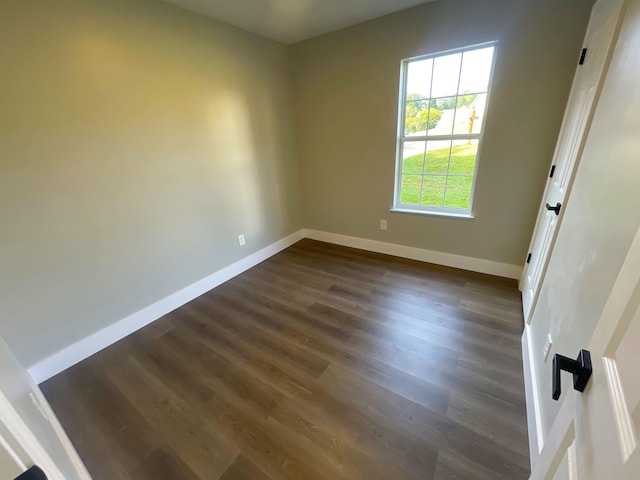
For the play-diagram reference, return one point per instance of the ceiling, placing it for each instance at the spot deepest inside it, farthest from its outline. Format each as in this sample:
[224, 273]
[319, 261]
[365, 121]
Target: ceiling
[289, 21]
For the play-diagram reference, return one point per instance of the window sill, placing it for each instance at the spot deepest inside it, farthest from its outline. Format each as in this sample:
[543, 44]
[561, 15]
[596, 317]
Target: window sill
[462, 216]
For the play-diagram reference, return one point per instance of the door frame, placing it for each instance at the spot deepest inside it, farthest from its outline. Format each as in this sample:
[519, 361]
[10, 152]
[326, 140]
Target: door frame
[21, 443]
[25, 416]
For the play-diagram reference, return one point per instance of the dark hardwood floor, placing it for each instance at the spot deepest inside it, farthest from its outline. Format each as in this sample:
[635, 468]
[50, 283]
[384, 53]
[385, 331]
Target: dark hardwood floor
[323, 362]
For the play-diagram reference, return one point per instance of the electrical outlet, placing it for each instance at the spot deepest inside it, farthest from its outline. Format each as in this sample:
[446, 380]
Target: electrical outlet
[383, 224]
[547, 347]
[241, 240]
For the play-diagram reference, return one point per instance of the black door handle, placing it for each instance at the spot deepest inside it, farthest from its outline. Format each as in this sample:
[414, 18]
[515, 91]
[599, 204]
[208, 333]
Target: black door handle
[554, 209]
[34, 473]
[580, 367]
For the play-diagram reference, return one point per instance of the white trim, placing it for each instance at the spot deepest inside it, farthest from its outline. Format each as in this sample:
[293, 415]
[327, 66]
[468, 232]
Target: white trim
[9, 451]
[101, 339]
[443, 213]
[413, 253]
[21, 436]
[534, 420]
[621, 412]
[453, 136]
[38, 398]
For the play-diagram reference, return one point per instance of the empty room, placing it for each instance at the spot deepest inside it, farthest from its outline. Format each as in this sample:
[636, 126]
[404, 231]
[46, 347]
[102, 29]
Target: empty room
[319, 239]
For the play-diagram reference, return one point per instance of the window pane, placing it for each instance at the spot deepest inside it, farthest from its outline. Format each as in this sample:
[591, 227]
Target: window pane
[458, 192]
[463, 157]
[413, 157]
[438, 156]
[478, 108]
[470, 117]
[444, 97]
[410, 193]
[419, 79]
[416, 113]
[441, 115]
[446, 71]
[433, 190]
[476, 69]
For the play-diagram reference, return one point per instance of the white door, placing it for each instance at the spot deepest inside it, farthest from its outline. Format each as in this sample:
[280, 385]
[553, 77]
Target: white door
[596, 433]
[10, 464]
[599, 42]
[30, 434]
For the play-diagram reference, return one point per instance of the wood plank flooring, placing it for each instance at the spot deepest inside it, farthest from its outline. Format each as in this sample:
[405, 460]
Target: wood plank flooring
[322, 362]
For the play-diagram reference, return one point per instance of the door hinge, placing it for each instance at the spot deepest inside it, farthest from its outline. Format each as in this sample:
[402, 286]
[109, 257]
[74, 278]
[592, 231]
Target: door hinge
[583, 55]
[529, 258]
[553, 170]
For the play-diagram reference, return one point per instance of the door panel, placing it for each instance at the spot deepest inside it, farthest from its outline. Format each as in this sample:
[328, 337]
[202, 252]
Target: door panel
[567, 469]
[599, 41]
[534, 273]
[621, 369]
[609, 410]
[606, 415]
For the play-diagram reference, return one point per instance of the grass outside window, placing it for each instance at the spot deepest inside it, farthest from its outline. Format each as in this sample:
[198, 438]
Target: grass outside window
[434, 178]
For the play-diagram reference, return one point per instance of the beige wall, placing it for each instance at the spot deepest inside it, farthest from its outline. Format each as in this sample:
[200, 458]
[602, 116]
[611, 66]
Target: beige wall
[137, 140]
[346, 94]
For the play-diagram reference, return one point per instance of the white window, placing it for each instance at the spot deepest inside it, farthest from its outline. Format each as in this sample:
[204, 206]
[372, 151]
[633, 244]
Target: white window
[443, 100]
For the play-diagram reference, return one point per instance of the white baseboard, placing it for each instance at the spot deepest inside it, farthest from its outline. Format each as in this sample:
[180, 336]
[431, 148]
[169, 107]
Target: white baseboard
[413, 253]
[534, 421]
[101, 339]
[95, 342]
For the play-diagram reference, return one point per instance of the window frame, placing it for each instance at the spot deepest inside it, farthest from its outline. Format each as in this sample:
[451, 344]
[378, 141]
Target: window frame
[401, 138]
